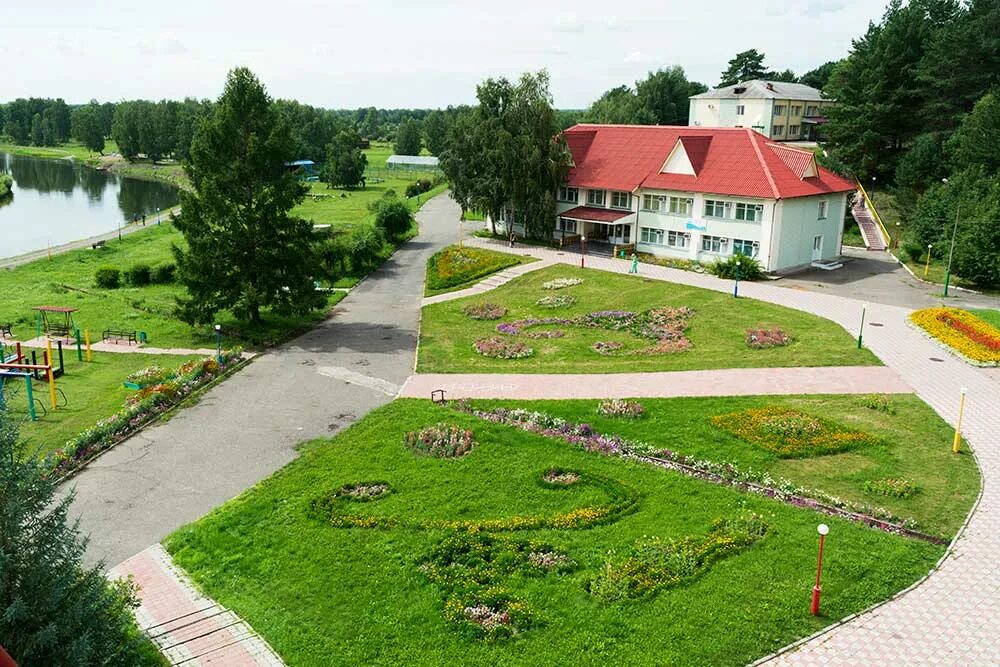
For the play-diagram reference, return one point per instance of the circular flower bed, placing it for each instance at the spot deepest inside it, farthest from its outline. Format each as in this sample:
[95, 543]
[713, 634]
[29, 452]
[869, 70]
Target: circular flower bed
[363, 491]
[606, 347]
[497, 348]
[790, 433]
[761, 338]
[484, 311]
[561, 283]
[557, 301]
[561, 477]
[441, 441]
[617, 407]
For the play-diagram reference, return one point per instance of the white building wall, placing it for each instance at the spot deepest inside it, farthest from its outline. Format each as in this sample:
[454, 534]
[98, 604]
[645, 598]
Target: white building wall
[723, 113]
[798, 225]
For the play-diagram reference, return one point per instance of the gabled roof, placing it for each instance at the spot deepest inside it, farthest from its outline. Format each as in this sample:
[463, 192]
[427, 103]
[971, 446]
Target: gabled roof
[758, 89]
[726, 161]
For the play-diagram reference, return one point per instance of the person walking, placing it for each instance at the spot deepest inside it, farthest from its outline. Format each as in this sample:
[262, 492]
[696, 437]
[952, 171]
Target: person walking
[635, 264]
[513, 237]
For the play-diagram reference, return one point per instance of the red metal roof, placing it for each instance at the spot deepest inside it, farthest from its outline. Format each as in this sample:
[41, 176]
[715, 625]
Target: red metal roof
[726, 161]
[594, 214]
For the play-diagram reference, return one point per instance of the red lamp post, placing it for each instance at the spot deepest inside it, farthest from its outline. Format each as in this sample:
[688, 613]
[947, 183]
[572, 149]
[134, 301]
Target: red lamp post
[822, 529]
[583, 249]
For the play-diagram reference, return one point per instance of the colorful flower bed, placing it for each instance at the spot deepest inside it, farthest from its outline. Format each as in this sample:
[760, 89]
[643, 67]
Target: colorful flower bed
[560, 477]
[618, 407]
[557, 301]
[561, 283]
[653, 563]
[363, 491]
[761, 338]
[728, 473]
[790, 433]
[137, 411]
[497, 348]
[455, 266]
[148, 376]
[891, 487]
[484, 311]
[961, 331]
[441, 441]
[606, 346]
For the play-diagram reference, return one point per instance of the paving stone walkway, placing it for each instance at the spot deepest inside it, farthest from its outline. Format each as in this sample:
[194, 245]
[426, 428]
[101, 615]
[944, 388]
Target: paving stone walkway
[953, 617]
[722, 382]
[189, 628]
[117, 348]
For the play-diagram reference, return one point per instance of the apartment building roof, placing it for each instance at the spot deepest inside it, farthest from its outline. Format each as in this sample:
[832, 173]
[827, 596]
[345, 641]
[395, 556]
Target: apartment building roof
[758, 89]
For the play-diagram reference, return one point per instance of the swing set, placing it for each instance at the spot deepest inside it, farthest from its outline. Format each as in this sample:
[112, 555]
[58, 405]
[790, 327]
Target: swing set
[16, 366]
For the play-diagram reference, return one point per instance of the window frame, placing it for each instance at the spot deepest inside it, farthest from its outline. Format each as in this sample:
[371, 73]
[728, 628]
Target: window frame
[741, 109]
[779, 109]
[756, 209]
[564, 192]
[754, 247]
[646, 234]
[824, 210]
[688, 203]
[723, 243]
[715, 203]
[685, 238]
[795, 110]
[658, 199]
[778, 130]
[604, 197]
[617, 194]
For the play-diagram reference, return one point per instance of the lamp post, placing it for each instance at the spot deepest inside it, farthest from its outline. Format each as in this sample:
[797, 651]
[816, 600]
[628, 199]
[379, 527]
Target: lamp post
[158, 216]
[951, 252]
[897, 237]
[822, 529]
[119, 230]
[583, 249]
[218, 343]
[956, 446]
[861, 328]
[461, 219]
[927, 265]
[736, 285]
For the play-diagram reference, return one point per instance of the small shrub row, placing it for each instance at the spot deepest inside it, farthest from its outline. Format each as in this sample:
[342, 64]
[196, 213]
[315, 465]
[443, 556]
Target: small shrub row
[878, 403]
[137, 275]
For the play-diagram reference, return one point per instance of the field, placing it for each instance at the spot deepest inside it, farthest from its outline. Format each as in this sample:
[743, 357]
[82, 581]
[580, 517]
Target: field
[716, 330]
[574, 584]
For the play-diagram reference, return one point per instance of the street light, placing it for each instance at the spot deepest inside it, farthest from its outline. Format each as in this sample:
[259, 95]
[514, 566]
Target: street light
[736, 285]
[583, 249]
[861, 328]
[951, 252]
[897, 236]
[158, 216]
[956, 446]
[927, 265]
[822, 529]
[218, 343]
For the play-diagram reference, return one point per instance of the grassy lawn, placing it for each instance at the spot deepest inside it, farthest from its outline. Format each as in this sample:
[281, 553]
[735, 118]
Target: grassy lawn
[717, 329]
[988, 315]
[316, 591]
[454, 268]
[73, 149]
[93, 391]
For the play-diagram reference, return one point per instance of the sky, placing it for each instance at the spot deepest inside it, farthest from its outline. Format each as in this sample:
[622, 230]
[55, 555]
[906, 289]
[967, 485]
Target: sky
[402, 53]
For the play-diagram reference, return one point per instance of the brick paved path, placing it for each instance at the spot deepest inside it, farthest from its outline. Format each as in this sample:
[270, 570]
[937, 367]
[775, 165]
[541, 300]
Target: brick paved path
[722, 382]
[953, 617]
[189, 628]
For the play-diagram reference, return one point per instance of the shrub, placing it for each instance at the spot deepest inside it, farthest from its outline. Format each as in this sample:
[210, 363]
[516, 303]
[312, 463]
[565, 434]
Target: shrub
[393, 217]
[108, 277]
[878, 403]
[617, 407]
[726, 268]
[137, 275]
[484, 311]
[961, 331]
[790, 433]
[441, 441]
[761, 338]
[497, 348]
[914, 251]
[162, 274]
[891, 487]
[418, 187]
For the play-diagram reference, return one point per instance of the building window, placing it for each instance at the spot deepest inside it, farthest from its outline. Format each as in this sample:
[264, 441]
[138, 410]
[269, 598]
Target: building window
[681, 205]
[595, 198]
[749, 212]
[778, 131]
[796, 110]
[678, 239]
[812, 111]
[716, 209]
[652, 203]
[621, 200]
[569, 195]
[822, 210]
[745, 247]
[779, 109]
[793, 130]
[740, 109]
[716, 244]
[650, 235]
[566, 226]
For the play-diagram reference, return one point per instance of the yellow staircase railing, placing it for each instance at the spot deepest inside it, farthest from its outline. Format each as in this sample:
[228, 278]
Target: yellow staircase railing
[875, 215]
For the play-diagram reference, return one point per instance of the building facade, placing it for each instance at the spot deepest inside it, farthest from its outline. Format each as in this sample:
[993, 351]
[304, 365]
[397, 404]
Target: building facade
[780, 111]
[700, 194]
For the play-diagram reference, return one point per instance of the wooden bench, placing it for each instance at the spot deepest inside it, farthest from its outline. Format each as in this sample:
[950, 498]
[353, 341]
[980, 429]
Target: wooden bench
[97, 245]
[118, 335]
[5, 330]
[57, 331]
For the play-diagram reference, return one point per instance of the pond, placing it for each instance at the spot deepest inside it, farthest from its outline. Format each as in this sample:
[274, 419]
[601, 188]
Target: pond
[58, 201]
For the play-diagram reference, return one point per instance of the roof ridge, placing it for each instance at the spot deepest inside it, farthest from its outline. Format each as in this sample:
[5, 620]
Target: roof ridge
[763, 164]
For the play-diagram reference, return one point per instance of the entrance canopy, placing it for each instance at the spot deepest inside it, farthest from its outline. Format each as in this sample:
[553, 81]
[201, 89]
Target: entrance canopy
[589, 214]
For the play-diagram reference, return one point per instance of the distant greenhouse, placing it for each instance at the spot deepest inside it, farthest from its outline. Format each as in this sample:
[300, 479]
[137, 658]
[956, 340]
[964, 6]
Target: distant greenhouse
[412, 162]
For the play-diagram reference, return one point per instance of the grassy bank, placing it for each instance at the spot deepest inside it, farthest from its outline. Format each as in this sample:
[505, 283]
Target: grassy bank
[454, 268]
[365, 595]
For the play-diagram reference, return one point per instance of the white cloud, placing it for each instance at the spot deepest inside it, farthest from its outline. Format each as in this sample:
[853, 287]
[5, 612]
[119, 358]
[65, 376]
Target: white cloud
[642, 58]
[820, 7]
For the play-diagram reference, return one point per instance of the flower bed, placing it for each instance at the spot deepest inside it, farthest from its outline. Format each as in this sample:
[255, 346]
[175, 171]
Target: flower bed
[790, 433]
[557, 301]
[497, 348]
[560, 477]
[484, 311]
[137, 411]
[761, 338]
[962, 332]
[728, 473]
[617, 407]
[561, 283]
[455, 266]
[152, 375]
[606, 346]
[891, 487]
[441, 441]
[363, 491]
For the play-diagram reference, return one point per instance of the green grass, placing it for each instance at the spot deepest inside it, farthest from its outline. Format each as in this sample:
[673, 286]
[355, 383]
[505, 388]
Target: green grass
[988, 315]
[73, 149]
[472, 265]
[93, 392]
[852, 235]
[315, 591]
[716, 331]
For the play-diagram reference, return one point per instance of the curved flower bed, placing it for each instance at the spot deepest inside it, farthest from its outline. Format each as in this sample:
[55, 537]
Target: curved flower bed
[961, 331]
[138, 411]
[497, 348]
[557, 301]
[790, 433]
[152, 375]
[727, 473]
[560, 477]
[484, 311]
[561, 283]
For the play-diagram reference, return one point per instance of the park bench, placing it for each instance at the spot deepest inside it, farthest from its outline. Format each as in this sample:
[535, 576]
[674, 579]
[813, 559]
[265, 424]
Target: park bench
[5, 330]
[118, 335]
[97, 245]
[57, 330]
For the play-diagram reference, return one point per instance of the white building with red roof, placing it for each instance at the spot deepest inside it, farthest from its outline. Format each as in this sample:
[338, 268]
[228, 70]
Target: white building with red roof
[701, 194]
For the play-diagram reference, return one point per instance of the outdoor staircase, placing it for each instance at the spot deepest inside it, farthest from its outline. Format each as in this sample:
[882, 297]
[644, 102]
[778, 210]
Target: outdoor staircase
[866, 223]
